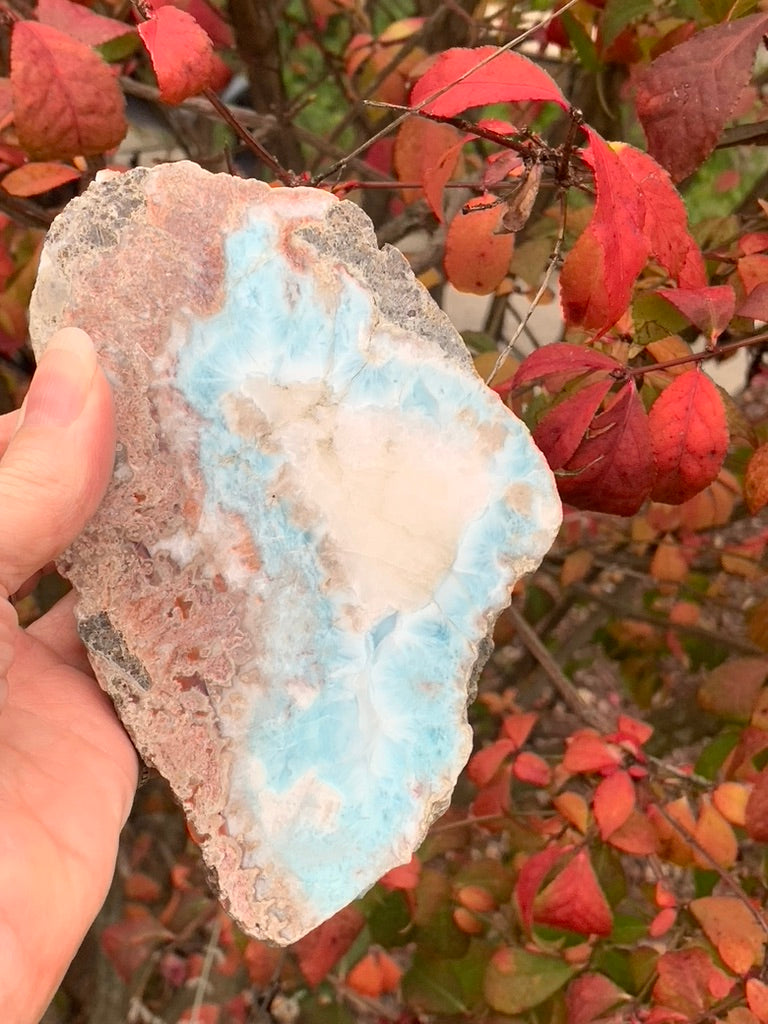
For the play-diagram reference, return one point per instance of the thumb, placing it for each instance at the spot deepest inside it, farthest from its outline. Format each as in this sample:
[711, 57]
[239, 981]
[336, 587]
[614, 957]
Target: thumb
[58, 463]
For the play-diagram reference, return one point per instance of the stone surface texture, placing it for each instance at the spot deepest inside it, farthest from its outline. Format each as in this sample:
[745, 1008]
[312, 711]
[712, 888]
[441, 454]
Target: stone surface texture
[317, 513]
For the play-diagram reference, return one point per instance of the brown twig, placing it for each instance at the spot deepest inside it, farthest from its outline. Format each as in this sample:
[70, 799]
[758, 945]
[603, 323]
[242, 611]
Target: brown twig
[558, 678]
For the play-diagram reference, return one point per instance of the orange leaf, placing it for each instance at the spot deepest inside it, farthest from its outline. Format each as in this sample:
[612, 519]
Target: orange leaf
[325, 945]
[66, 100]
[755, 479]
[669, 563]
[573, 808]
[574, 900]
[32, 179]
[757, 999]
[476, 259]
[477, 898]
[588, 752]
[427, 152]
[756, 813]
[672, 845]
[207, 1013]
[663, 921]
[716, 837]
[730, 798]
[688, 981]
[181, 53]
[689, 436]
[732, 929]
[637, 836]
[375, 974]
[613, 803]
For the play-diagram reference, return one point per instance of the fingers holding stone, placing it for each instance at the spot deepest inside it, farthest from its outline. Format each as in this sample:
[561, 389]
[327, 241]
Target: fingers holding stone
[57, 464]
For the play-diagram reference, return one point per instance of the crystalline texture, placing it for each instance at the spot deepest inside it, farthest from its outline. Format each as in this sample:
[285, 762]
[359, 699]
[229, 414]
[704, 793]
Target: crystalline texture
[316, 515]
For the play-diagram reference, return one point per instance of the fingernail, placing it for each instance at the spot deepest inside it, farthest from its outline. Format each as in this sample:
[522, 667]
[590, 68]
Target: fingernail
[62, 381]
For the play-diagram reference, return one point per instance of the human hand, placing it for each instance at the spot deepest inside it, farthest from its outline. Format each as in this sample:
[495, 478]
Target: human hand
[67, 768]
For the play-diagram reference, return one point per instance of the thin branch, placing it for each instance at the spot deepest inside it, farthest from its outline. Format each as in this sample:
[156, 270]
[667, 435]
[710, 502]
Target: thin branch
[560, 681]
[553, 261]
[725, 878]
[201, 984]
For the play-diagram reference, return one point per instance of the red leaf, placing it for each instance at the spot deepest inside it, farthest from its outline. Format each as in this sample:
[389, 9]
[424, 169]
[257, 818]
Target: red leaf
[753, 241]
[207, 17]
[590, 996]
[532, 769]
[689, 435]
[532, 874]
[80, 23]
[486, 762]
[181, 52]
[574, 900]
[613, 803]
[32, 179]
[638, 731]
[566, 360]
[588, 752]
[476, 259]
[509, 78]
[613, 469]
[325, 945]
[518, 727]
[427, 152]
[686, 96]
[755, 306]
[562, 428]
[665, 220]
[66, 100]
[599, 272]
[128, 943]
[709, 309]
[405, 876]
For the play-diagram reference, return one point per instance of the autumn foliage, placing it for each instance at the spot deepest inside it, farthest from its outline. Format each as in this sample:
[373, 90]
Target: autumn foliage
[604, 858]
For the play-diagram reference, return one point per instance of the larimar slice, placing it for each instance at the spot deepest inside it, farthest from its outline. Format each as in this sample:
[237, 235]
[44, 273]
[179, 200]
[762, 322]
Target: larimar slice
[317, 513]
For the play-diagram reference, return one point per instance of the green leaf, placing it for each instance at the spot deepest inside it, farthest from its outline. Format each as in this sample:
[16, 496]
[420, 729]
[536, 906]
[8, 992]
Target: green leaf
[617, 14]
[447, 986]
[517, 980]
[317, 1009]
[582, 43]
[440, 935]
[628, 929]
[389, 919]
[712, 757]
[654, 318]
[720, 10]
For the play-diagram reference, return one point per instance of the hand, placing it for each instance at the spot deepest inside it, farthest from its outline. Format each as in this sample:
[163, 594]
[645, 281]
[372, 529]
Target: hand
[67, 768]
